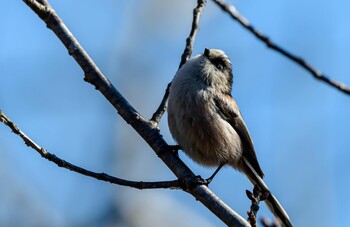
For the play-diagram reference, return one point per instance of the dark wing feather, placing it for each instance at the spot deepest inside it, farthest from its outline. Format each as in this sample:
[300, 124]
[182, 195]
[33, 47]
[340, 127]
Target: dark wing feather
[229, 111]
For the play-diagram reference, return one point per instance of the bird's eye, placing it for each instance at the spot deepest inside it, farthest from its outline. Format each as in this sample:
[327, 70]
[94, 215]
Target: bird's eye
[219, 63]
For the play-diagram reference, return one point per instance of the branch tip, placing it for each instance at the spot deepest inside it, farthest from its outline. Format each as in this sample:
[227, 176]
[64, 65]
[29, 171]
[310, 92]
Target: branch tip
[233, 12]
[100, 176]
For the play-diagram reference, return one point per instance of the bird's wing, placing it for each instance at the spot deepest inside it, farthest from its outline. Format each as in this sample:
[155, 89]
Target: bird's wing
[229, 111]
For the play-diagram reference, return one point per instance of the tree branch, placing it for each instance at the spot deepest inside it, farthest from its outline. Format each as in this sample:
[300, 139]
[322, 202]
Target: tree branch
[232, 11]
[146, 129]
[162, 106]
[175, 184]
[184, 57]
[255, 197]
[194, 30]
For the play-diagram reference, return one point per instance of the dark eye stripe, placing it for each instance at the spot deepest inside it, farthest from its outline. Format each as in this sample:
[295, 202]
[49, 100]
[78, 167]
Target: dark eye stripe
[219, 63]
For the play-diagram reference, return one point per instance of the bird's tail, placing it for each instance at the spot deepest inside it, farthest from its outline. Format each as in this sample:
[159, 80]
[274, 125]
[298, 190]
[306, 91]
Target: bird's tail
[271, 201]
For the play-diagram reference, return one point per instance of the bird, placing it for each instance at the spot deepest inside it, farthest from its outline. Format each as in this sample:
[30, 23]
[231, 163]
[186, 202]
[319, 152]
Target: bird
[205, 121]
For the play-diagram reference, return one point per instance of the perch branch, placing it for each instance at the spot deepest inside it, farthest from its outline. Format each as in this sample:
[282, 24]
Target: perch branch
[233, 12]
[146, 129]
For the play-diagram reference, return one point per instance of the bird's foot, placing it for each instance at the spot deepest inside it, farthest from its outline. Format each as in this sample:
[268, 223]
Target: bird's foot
[191, 182]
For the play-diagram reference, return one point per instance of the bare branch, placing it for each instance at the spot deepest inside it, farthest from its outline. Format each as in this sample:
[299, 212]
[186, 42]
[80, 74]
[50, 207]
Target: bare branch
[146, 129]
[194, 30]
[176, 184]
[255, 197]
[185, 56]
[162, 107]
[232, 11]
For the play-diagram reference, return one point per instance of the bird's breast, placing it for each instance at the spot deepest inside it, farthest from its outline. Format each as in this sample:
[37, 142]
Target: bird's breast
[200, 131]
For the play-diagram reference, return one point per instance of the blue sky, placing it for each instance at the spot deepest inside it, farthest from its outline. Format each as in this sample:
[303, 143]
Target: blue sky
[299, 125]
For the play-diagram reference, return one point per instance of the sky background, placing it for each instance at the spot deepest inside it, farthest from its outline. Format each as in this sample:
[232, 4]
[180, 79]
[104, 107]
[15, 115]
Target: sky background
[299, 125]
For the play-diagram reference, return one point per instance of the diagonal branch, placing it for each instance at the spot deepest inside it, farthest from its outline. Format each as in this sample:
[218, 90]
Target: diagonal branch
[176, 184]
[146, 129]
[162, 106]
[232, 11]
[185, 57]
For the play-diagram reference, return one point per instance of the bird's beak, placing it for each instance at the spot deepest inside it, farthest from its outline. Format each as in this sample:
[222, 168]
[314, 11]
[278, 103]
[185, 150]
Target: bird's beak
[206, 52]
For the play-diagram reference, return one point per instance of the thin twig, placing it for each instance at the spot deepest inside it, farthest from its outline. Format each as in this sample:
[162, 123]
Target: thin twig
[184, 57]
[162, 107]
[144, 128]
[194, 30]
[176, 184]
[255, 197]
[233, 12]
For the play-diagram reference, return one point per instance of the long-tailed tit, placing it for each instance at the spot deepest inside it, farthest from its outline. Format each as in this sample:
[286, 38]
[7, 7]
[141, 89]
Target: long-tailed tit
[205, 120]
